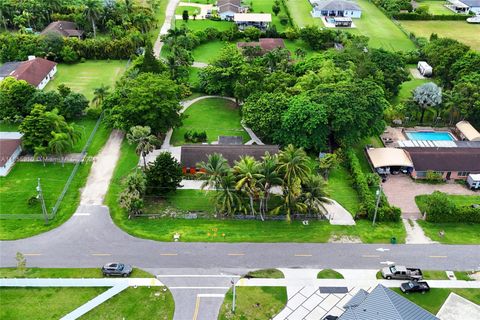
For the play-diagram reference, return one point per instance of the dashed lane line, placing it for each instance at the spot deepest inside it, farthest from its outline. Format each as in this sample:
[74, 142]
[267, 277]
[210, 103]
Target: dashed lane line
[197, 307]
[370, 256]
[236, 254]
[169, 254]
[32, 254]
[101, 254]
[440, 257]
[303, 255]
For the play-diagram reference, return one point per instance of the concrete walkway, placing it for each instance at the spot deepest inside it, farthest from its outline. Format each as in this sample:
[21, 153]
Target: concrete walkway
[169, 14]
[456, 307]
[200, 65]
[415, 234]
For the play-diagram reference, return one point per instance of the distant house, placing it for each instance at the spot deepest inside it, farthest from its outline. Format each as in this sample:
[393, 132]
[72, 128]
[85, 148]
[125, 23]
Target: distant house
[192, 154]
[36, 71]
[467, 131]
[464, 6]
[335, 8]
[257, 20]
[66, 29]
[381, 304]
[10, 149]
[228, 8]
[265, 44]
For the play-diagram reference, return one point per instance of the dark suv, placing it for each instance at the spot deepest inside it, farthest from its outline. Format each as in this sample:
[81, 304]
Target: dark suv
[117, 269]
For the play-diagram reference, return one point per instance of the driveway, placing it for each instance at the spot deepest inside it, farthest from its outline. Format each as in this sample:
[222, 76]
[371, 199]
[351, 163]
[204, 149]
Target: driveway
[401, 191]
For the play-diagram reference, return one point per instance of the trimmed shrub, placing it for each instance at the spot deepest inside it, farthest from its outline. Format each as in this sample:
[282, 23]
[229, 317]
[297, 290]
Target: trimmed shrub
[439, 208]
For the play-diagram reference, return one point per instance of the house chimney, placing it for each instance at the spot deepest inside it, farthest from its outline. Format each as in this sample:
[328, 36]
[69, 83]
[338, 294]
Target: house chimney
[31, 58]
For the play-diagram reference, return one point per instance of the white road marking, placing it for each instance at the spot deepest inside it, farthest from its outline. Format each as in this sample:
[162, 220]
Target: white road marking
[101, 254]
[370, 256]
[32, 254]
[387, 262]
[81, 214]
[197, 276]
[303, 255]
[211, 295]
[437, 256]
[180, 288]
[236, 254]
[169, 254]
[382, 249]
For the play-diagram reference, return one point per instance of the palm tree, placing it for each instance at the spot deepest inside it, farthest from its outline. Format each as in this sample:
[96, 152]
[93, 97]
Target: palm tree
[314, 195]
[226, 198]
[91, 11]
[40, 152]
[214, 168]
[99, 94]
[293, 168]
[426, 96]
[144, 139]
[60, 144]
[268, 168]
[247, 171]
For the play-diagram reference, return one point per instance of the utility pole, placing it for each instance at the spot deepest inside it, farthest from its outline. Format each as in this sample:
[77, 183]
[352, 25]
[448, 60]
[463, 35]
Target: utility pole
[42, 201]
[233, 303]
[378, 193]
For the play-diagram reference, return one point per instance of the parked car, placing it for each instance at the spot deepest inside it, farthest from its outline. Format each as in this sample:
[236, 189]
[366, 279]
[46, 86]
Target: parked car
[330, 317]
[414, 286]
[402, 273]
[117, 269]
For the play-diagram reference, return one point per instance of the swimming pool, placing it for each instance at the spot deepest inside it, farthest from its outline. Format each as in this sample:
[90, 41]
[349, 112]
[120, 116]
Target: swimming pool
[430, 135]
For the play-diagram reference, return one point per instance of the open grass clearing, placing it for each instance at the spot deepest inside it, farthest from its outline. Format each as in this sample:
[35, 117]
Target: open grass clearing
[407, 88]
[300, 13]
[215, 116]
[198, 25]
[86, 127]
[434, 299]
[265, 273]
[340, 189]
[265, 6]
[436, 7]
[453, 233]
[85, 77]
[253, 303]
[160, 19]
[207, 52]
[64, 273]
[434, 275]
[459, 200]
[190, 9]
[459, 30]
[329, 274]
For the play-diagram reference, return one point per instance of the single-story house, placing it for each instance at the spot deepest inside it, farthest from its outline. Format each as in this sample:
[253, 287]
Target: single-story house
[36, 71]
[467, 131]
[257, 20]
[265, 44]
[65, 29]
[451, 163]
[464, 6]
[232, 140]
[192, 154]
[381, 304]
[335, 8]
[228, 8]
[387, 160]
[10, 149]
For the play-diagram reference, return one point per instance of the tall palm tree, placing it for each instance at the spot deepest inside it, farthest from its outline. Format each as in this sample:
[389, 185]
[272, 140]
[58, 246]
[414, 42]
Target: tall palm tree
[214, 169]
[40, 152]
[247, 171]
[99, 94]
[60, 144]
[314, 195]
[91, 11]
[293, 168]
[271, 178]
[144, 139]
[227, 199]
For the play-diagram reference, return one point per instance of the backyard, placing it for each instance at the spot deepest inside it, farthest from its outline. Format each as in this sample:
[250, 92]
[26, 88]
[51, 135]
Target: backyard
[198, 25]
[265, 6]
[199, 118]
[458, 30]
[436, 7]
[85, 77]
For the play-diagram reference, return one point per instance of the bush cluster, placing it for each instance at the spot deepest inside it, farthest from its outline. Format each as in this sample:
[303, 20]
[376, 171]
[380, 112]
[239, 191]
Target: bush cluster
[195, 137]
[427, 16]
[439, 208]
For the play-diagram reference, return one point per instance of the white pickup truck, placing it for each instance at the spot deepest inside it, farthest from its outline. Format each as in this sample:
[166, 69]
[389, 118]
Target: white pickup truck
[401, 273]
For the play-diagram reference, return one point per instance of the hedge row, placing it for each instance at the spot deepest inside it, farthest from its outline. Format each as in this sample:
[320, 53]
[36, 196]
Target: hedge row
[416, 16]
[385, 212]
[439, 208]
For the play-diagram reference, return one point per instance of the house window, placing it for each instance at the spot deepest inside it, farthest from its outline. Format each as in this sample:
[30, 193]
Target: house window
[463, 173]
[421, 174]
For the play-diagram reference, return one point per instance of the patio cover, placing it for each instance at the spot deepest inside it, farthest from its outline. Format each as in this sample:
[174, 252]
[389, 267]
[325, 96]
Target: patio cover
[252, 17]
[389, 157]
[468, 131]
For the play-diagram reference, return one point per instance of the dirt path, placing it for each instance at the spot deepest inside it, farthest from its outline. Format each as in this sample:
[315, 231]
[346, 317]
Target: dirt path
[102, 171]
[169, 14]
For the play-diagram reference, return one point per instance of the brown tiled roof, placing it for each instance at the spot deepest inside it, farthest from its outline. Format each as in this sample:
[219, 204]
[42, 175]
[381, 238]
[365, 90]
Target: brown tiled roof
[266, 44]
[194, 153]
[224, 2]
[7, 148]
[33, 71]
[229, 7]
[63, 28]
[445, 159]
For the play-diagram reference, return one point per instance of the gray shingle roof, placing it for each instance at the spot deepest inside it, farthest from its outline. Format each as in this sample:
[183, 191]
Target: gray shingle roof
[385, 304]
[356, 299]
[471, 3]
[336, 5]
[7, 68]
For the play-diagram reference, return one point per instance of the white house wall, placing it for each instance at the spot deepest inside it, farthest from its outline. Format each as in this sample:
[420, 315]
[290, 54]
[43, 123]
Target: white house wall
[9, 164]
[356, 14]
[47, 79]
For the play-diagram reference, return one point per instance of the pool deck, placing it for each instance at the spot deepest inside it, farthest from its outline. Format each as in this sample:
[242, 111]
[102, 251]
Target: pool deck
[392, 135]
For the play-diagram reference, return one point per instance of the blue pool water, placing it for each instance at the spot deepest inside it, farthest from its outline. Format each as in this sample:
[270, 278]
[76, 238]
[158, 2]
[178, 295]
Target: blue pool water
[430, 135]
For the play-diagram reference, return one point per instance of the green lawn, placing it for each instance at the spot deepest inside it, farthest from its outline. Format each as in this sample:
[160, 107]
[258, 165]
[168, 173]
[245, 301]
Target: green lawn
[160, 17]
[208, 51]
[203, 24]
[183, 200]
[434, 275]
[434, 299]
[436, 7]
[8, 127]
[292, 45]
[265, 6]
[454, 233]
[64, 273]
[360, 152]
[253, 303]
[136, 303]
[85, 77]
[340, 189]
[193, 79]
[101, 136]
[43, 303]
[329, 274]
[266, 273]
[191, 10]
[458, 30]
[300, 13]
[215, 116]
[406, 89]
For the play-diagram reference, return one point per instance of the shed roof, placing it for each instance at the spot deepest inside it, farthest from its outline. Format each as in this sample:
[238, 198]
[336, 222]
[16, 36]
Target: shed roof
[233, 2]
[445, 159]
[8, 67]
[468, 131]
[252, 17]
[235, 140]
[63, 28]
[471, 3]
[34, 71]
[336, 5]
[192, 154]
[389, 157]
[7, 148]
[383, 303]
[229, 7]
[266, 44]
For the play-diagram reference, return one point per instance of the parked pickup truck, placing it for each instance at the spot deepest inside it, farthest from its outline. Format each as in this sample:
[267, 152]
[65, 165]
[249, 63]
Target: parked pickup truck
[414, 286]
[402, 273]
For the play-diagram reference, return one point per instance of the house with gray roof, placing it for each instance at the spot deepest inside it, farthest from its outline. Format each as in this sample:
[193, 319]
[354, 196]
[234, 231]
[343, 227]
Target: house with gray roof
[464, 6]
[381, 304]
[335, 8]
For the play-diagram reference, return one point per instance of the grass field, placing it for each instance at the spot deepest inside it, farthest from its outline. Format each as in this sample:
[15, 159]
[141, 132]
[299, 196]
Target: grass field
[226, 121]
[253, 303]
[191, 10]
[203, 24]
[329, 274]
[208, 51]
[459, 200]
[406, 89]
[101, 136]
[436, 7]
[458, 30]
[265, 6]
[160, 17]
[300, 13]
[454, 233]
[64, 273]
[266, 273]
[8, 127]
[434, 299]
[85, 77]
[340, 189]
